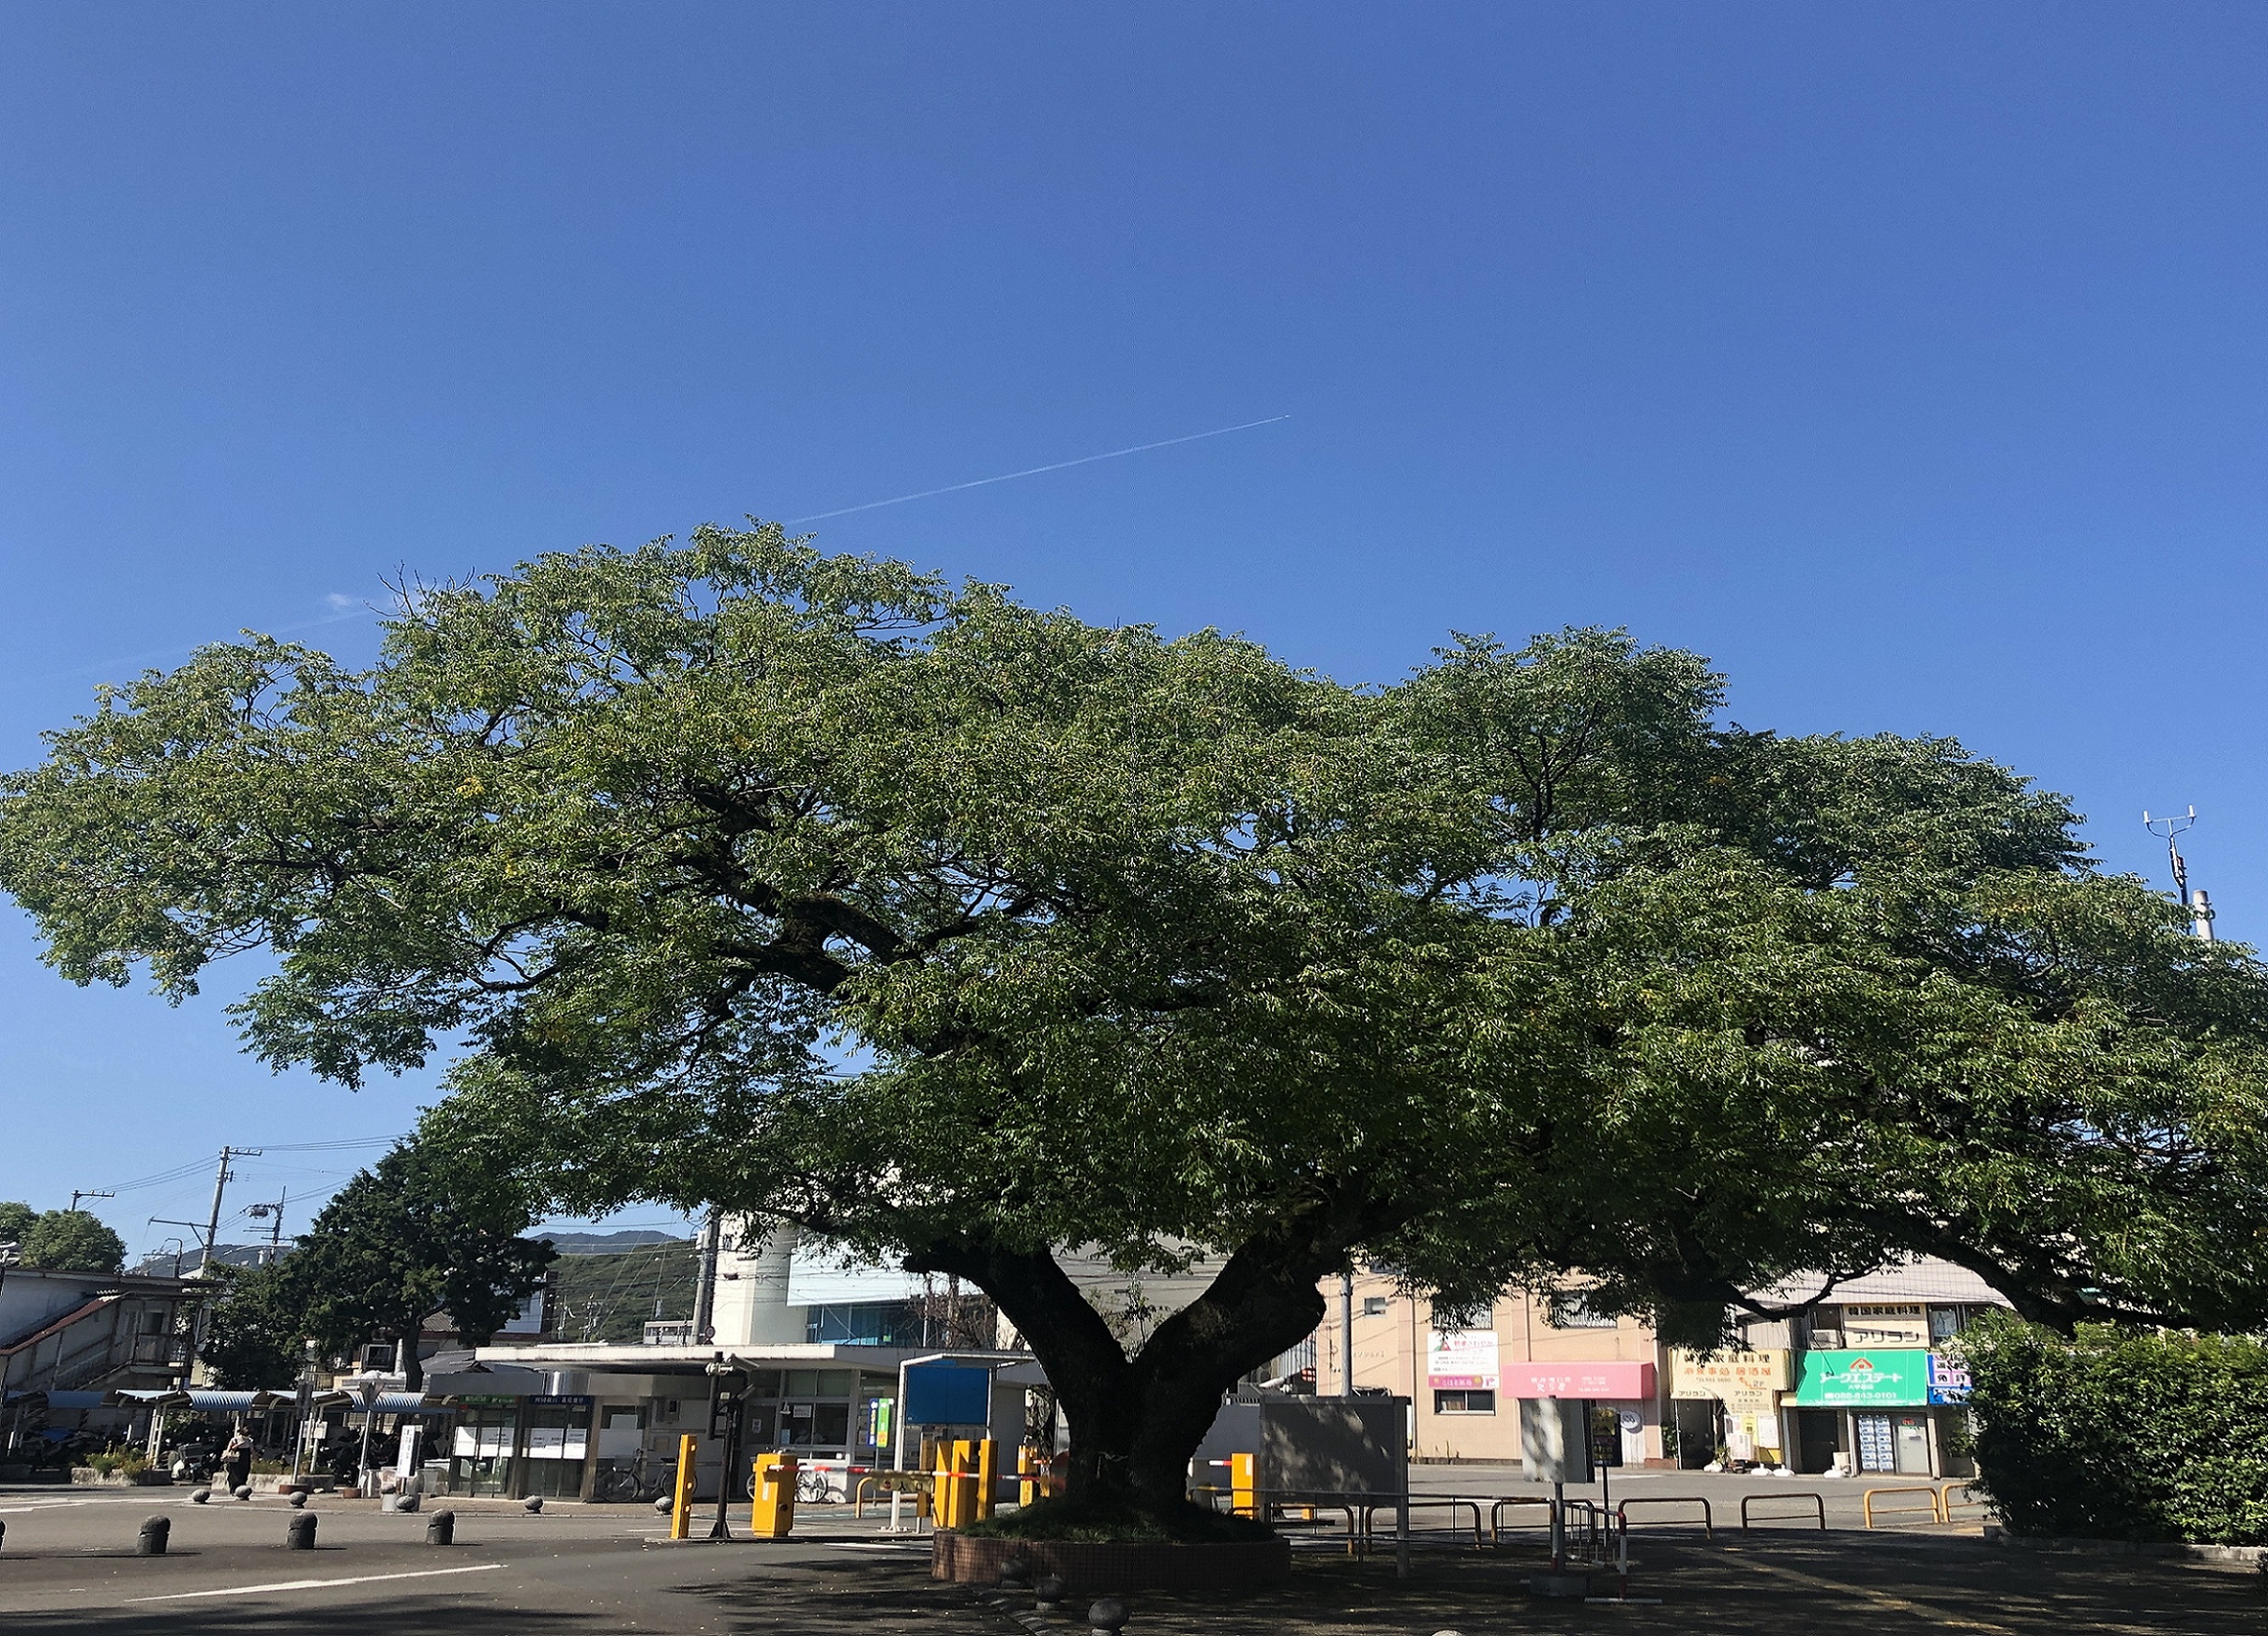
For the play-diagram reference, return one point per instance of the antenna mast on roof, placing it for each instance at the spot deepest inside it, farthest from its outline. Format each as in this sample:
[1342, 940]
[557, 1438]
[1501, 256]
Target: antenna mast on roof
[2200, 906]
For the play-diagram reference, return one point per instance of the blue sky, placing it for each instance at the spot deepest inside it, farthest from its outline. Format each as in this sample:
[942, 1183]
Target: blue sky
[1907, 359]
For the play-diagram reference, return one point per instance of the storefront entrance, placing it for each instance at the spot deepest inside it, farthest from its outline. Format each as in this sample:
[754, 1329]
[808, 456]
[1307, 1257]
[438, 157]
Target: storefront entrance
[480, 1447]
[1896, 1443]
[559, 1431]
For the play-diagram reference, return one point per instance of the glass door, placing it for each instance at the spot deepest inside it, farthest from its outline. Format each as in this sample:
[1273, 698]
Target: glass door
[1913, 1445]
[480, 1451]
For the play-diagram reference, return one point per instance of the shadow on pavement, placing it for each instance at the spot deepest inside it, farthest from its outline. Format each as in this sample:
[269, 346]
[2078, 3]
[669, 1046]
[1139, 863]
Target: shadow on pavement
[1853, 1586]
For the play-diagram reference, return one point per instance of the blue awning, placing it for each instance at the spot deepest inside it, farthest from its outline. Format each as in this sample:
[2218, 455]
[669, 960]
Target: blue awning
[410, 1402]
[77, 1400]
[229, 1403]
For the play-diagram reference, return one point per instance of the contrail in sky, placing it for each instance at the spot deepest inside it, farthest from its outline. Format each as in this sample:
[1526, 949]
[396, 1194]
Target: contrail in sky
[1084, 460]
[816, 516]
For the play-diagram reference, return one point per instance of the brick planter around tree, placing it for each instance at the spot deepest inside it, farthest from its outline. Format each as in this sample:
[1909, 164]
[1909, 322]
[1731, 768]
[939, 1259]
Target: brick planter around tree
[1090, 1568]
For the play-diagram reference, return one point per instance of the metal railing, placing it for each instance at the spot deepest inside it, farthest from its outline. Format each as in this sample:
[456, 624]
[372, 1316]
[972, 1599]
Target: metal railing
[1935, 1507]
[1709, 1519]
[1496, 1513]
[1820, 1500]
[1947, 1505]
[1413, 1502]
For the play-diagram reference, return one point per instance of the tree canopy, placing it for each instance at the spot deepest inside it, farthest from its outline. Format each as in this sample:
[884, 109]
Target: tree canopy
[15, 1220]
[415, 1234]
[73, 1241]
[742, 875]
[256, 1332]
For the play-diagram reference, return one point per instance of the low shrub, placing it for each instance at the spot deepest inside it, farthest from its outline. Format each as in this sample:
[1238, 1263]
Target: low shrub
[2121, 1434]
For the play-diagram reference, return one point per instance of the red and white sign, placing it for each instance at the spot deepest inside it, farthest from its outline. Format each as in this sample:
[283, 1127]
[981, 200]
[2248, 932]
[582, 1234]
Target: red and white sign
[1461, 1360]
[1610, 1382]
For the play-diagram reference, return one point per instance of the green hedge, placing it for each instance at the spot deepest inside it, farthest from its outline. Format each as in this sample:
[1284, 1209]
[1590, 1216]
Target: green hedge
[2120, 1434]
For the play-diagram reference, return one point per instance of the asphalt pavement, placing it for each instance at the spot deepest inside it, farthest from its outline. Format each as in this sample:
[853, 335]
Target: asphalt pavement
[68, 1567]
[68, 1564]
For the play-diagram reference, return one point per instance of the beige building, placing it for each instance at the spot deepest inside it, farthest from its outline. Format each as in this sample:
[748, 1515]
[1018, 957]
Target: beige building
[1464, 1382]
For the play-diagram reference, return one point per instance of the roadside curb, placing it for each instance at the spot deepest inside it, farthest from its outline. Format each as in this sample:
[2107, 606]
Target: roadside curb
[2247, 1556]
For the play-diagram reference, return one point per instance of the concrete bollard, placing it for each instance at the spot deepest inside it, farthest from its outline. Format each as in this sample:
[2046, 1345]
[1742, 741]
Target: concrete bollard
[1015, 1574]
[534, 1502]
[243, 1491]
[1049, 1592]
[1106, 1617]
[298, 1499]
[4, 1535]
[441, 1529]
[198, 1496]
[150, 1541]
[301, 1535]
[664, 1504]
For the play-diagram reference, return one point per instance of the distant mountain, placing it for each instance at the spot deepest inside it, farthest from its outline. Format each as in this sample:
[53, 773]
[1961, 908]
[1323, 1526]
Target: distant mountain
[566, 1243]
[609, 1243]
[161, 1266]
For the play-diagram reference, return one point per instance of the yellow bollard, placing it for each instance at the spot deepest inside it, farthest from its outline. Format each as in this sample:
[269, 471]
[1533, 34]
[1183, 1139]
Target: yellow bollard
[988, 1464]
[681, 1501]
[964, 1482]
[1242, 1499]
[1024, 1458]
[772, 1497]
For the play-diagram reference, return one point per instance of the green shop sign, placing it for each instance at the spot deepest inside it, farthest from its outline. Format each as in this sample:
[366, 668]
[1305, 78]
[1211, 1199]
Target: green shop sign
[1884, 1378]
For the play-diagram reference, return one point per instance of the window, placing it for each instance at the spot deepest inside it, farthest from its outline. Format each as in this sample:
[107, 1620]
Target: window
[866, 1323]
[1945, 1322]
[1373, 1306]
[1463, 1403]
[1572, 1310]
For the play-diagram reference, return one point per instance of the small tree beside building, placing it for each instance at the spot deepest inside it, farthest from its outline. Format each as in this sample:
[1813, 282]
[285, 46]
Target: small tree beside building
[68, 1241]
[411, 1236]
[2114, 1433]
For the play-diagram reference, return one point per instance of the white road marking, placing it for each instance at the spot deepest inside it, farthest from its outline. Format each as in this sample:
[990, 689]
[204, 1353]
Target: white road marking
[363, 1578]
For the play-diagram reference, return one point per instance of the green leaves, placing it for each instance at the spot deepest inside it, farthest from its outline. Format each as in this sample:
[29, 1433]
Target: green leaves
[737, 874]
[424, 1231]
[73, 1241]
[2122, 1435]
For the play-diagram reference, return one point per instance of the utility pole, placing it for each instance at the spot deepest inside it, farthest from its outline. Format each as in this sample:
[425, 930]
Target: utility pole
[705, 1294]
[1346, 1334]
[273, 1215]
[2200, 906]
[78, 1193]
[221, 1180]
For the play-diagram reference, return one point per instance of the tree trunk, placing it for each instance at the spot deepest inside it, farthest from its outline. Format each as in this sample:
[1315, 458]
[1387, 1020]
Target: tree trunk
[1136, 1421]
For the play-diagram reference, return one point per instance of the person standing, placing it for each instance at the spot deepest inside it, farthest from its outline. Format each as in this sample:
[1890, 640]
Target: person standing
[236, 1460]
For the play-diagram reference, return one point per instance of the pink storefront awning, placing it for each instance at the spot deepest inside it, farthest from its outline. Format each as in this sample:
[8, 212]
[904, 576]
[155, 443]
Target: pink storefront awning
[1612, 1381]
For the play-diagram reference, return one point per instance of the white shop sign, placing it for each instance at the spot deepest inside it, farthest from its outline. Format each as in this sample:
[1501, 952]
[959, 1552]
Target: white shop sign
[1461, 1360]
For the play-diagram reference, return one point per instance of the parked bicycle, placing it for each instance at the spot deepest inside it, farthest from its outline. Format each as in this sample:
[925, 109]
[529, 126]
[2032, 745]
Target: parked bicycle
[636, 1482]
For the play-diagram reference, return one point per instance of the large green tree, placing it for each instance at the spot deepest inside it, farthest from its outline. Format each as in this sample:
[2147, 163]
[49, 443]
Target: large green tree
[15, 1220]
[256, 1328]
[73, 1241]
[419, 1232]
[740, 875]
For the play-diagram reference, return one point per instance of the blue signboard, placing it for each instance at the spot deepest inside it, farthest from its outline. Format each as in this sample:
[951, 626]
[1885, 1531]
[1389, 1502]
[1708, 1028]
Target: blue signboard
[947, 1395]
[1948, 1381]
